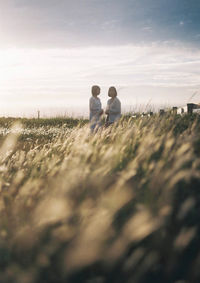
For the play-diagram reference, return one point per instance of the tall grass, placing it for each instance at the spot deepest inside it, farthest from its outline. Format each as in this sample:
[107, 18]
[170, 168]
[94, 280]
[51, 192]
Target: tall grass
[121, 205]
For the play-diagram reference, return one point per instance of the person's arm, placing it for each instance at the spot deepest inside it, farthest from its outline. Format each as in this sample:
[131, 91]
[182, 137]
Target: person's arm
[107, 109]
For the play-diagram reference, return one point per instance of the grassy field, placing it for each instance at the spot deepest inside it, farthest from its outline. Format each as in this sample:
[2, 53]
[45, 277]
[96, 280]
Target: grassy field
[121, 205]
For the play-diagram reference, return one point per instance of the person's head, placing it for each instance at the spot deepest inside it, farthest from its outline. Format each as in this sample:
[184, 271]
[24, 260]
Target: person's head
[95, 90]
[112, 92]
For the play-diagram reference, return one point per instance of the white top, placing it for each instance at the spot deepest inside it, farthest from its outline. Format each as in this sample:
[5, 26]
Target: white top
[114, 109]
[95, 108]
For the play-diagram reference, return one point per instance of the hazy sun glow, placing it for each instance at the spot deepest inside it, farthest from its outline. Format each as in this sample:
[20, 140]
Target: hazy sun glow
[62, 77]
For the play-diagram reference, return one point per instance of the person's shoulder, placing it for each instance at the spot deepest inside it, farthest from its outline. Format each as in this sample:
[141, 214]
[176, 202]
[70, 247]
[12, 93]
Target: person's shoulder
[92, 98]
[117, 99]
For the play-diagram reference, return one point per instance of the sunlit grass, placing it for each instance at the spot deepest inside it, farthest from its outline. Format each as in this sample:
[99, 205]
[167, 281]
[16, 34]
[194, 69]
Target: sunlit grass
[121, 205]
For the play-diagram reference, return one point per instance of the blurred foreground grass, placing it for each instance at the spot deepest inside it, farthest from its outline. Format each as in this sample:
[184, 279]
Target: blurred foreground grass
[122, 205]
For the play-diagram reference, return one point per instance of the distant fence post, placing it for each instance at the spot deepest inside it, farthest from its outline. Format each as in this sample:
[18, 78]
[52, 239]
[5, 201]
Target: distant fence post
[182, 110]
[174, 110]
[190, 107]
[38, 114]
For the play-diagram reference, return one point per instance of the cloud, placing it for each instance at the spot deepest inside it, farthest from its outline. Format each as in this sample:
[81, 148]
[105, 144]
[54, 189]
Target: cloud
[66, 23]
[63, 77]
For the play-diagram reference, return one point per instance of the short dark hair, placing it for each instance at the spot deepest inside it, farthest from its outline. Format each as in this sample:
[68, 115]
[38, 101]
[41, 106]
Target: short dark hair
[114, 89]
[94, 89]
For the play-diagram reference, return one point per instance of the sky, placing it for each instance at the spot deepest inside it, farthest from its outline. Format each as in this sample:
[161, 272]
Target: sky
[53, 51]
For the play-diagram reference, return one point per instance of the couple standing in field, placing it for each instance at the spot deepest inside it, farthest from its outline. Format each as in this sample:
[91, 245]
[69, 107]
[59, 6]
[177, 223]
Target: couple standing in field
[113, 109]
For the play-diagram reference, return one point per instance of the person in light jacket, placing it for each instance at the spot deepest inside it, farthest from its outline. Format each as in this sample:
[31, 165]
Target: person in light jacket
[95, 108]
[113, 109]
